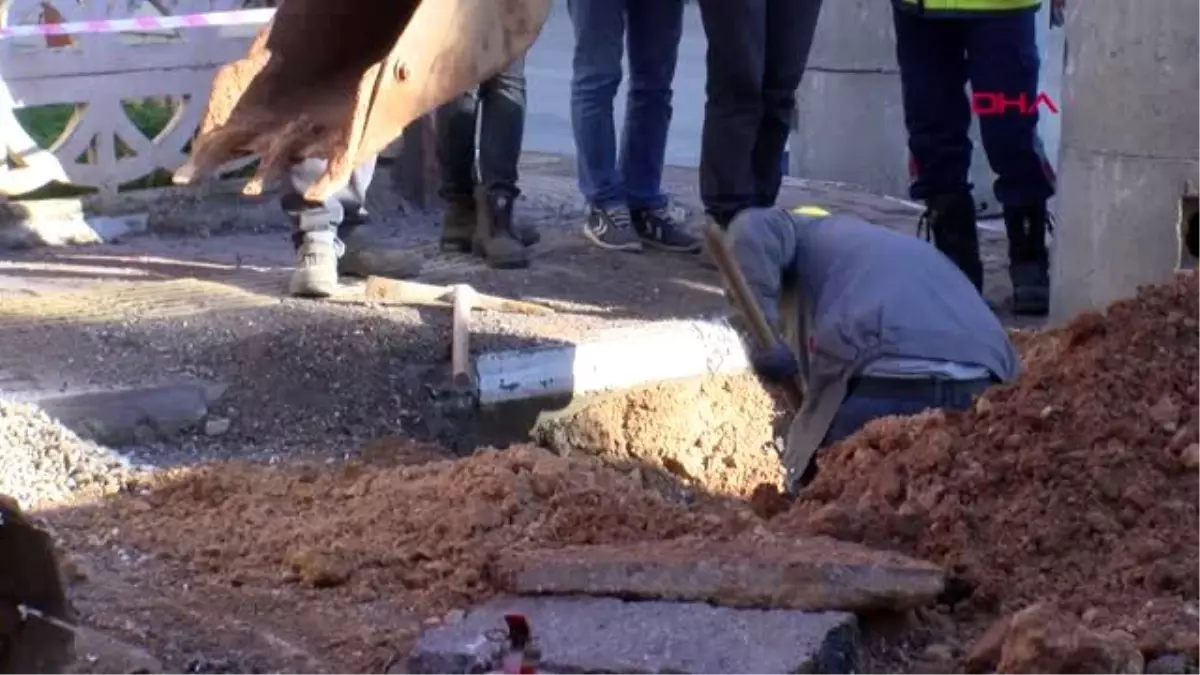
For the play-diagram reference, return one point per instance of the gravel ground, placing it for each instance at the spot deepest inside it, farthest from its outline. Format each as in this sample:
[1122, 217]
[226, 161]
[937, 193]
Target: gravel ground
[43, 464]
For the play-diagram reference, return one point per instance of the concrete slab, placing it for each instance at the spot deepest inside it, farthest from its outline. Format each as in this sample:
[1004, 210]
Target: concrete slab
[604, 635]
[814, 574]
[125, 416]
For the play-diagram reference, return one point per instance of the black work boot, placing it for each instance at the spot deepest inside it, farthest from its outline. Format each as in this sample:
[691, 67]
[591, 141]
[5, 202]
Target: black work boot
[1028, 259]
[459, 222]
[495, 239]
[950, 221]
[458, 225]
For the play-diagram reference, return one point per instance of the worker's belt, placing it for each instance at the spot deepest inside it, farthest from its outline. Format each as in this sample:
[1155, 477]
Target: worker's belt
[916, 388]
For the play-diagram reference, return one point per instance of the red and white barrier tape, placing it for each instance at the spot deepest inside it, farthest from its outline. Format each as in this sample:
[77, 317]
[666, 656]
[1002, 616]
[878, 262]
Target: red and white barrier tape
[242, 17]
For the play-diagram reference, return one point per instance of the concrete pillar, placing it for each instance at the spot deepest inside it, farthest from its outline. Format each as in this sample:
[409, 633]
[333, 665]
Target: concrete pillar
[849, 122]
[1129, 148]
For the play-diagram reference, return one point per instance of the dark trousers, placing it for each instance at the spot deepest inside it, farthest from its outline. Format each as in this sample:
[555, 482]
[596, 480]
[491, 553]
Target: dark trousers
[994, 54]
[872, 398]
[498, 107]
[628, 172]
[757, 51]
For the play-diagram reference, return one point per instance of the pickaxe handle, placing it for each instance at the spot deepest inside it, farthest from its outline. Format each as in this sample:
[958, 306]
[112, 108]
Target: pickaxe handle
[760, 329]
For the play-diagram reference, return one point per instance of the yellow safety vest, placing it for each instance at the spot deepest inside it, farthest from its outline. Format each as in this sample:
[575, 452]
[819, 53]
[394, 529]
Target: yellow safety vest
[970, 6]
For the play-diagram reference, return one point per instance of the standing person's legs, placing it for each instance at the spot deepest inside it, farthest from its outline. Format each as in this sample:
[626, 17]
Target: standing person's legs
[502, 129]
[652, 37]
[937, 115]
[791, 25]
[501, 132]
[1003, 58]
[455, 124]
[329, 237]
[599, 42]
[733, 108]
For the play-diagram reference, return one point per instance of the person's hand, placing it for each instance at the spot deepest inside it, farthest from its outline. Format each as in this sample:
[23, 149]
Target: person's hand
[1058, 13]
[776, 364]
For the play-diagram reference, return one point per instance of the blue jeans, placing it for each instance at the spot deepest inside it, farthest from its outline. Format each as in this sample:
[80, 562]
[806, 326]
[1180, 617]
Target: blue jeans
[498, 105]
[857, 410]
[603, 28]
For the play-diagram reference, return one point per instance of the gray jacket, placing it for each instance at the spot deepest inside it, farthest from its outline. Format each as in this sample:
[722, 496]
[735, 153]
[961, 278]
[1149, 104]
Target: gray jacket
[861, 292]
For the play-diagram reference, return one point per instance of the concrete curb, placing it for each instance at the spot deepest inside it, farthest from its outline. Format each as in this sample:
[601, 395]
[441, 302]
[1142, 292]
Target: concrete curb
[618, 360]
[118, 417]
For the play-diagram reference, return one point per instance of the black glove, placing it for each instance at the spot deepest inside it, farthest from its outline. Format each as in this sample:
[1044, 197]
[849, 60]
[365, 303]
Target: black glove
[776, 364]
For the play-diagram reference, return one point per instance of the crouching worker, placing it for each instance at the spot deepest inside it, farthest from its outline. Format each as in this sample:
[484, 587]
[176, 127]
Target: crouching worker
[876, 323]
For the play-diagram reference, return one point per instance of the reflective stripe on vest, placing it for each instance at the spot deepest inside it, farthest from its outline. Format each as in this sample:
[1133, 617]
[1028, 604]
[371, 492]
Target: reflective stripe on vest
[812, 211]
[942, 6]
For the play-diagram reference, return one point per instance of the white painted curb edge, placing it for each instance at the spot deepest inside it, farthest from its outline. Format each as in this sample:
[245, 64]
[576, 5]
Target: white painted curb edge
[665, 351]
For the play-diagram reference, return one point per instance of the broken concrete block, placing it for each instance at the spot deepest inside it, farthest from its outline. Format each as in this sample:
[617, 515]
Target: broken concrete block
[812, 574]
[113, 417]
[607, 635]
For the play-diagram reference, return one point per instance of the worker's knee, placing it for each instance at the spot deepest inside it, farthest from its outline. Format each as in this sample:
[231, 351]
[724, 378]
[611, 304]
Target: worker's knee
[857, 411]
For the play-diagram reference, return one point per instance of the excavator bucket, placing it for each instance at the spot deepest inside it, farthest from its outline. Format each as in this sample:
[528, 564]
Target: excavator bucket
[30, 582]
[341, 80]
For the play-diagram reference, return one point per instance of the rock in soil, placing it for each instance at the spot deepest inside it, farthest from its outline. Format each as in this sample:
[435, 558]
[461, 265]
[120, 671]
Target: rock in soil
[717, 433]
[1168, 664]
[606, 635]
[1043, 639]
[43, 463]
[814, 574]
[1064, 487]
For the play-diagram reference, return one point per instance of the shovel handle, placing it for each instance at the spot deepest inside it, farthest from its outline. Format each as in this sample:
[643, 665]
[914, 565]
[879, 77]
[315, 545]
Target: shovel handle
[460, 335]
[760, 329]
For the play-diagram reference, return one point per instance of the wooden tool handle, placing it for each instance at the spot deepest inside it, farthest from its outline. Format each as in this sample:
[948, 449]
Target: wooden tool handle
[760, 329]
[406, 292]
[460, 336]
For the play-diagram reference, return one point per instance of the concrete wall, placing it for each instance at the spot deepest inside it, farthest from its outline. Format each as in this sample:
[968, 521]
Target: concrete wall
[1130, 138]
[850, 123]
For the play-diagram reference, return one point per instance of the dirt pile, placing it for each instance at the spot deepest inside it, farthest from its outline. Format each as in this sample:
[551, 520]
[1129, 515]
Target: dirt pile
[422, 535]
[1077, 485]
[716, 433]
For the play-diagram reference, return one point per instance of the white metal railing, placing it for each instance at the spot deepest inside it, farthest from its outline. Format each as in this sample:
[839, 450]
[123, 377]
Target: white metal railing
[105, 86]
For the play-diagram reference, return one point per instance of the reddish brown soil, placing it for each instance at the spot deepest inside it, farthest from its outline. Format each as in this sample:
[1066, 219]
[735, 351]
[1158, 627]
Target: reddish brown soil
[327, 540]
[1077, 485]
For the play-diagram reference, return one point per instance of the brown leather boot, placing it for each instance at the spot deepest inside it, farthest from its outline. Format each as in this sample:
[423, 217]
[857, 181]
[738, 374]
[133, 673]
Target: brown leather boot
[495, 239]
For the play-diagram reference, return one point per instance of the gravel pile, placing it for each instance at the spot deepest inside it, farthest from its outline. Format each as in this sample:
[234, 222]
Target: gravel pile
[43, 464]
